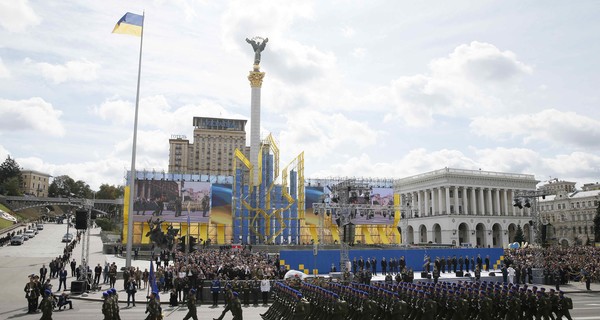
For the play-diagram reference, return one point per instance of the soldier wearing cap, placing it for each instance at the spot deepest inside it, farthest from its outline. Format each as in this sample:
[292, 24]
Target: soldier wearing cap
[191, 305]
[236, 307]
[564, 304]
[32, 293]
[106, 309]
[47, 305]
[153, 308]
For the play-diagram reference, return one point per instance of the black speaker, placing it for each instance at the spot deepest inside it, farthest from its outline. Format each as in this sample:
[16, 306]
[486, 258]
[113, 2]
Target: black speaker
[78, 286]
[424, 275]
[492, 274]
[459, 274]
[348, 233]
[81, 219]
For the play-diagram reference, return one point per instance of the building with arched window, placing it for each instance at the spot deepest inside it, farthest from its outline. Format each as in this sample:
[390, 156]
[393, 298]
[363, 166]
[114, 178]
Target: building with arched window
[464, 207]
[569, 216]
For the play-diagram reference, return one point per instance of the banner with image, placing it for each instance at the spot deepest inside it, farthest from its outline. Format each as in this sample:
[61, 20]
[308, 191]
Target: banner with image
[172, 201]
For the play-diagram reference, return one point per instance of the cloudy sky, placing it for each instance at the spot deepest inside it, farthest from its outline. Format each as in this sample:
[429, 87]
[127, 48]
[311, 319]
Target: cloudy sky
[364, 88]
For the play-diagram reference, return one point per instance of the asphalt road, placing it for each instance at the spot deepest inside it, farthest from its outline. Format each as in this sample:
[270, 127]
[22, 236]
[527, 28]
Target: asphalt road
[17, 262]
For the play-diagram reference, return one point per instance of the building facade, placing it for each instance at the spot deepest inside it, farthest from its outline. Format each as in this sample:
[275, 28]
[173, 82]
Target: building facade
[35, 183]
[213, 147]
[463, 207]
[568, 214]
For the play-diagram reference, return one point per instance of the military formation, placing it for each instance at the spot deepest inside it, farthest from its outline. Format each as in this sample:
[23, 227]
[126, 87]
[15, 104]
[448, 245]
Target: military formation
[110, 305]
[322, 299]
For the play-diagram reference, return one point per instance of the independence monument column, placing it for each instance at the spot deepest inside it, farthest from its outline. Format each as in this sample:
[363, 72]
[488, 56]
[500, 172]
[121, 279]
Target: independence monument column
[256, 78]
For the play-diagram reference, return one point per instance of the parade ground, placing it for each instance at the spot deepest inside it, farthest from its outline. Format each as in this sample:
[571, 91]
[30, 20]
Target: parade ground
[17, 262]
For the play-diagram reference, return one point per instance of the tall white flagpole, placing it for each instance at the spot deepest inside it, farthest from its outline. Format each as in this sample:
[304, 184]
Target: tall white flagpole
[133, 151]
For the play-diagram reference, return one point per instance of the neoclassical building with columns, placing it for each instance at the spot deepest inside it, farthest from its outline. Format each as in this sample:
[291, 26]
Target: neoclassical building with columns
[463, 207]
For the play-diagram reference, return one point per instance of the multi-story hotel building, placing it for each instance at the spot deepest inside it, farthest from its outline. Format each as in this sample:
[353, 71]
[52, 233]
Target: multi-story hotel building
[568, 213]
[463, 207]
[35, 183]
[212, 151]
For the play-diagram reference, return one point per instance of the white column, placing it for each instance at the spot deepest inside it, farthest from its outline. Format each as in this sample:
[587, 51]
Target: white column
[498, 209]
[414, 202]
[426, 212]
[465, 201]
[473, 201]
[506, 202]
[456, 200]
[481, 202]
[440, 201]
[447, 200]
[490, 206]
[420, 202]
[514, 209]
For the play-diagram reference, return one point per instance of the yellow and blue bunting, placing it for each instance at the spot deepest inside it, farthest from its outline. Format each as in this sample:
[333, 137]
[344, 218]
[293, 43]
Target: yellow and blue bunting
[131, 23]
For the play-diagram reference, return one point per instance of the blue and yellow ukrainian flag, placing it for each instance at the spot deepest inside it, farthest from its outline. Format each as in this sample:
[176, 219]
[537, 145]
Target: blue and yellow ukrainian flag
[131, 23]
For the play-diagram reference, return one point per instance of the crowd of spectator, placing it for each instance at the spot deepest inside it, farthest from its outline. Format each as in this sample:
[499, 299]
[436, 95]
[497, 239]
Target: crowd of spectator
[578, 263]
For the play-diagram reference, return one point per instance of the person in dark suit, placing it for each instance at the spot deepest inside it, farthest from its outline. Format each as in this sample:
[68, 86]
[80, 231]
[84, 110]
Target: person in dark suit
[43, 273]
[461, 261]
[487, 263]
[62, 279]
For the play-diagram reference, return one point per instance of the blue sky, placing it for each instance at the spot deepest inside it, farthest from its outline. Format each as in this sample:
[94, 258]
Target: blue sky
[364, 88]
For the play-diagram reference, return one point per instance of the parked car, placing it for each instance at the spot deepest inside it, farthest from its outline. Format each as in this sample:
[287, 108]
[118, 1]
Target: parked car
[40, 226]
[17, 240]
[68, 237]
[30, 233]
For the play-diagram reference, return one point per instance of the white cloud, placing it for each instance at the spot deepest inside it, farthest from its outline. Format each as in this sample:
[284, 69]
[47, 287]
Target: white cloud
[480, 61]
[4, 73]
[348, 31]
[321, 134]
[474, 79]
[551, 125]
[359, 52]
[31, 114]
[75, 70]
[17, 15]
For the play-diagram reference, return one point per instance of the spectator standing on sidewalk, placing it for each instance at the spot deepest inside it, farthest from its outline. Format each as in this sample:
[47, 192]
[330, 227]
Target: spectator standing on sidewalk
[62, 279]
[131, 289]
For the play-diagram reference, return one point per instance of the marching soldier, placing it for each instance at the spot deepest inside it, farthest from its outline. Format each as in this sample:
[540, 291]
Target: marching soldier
[153, 309]
[236, 307]
[564, 304]
[47, 305]
[302, 309]
[106, 308]
[191, 305]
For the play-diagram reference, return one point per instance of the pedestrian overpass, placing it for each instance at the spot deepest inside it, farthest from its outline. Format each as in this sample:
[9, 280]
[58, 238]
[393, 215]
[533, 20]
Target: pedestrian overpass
[100, 206]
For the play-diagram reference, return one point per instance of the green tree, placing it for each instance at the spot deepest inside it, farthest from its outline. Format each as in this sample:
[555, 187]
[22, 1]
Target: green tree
[519, 236]
[12, 187]
[109, 192]
[65, 187]
[597, 224]
[10, 177]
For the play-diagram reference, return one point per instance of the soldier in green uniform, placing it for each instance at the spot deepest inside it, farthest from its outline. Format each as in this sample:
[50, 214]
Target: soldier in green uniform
[513, 306]
[236, 307]
[153, 309]
[32, 294]
[106, 308]
[246, 293]
[47, 305]
[485, 306]
[429, 308]
[114, 303]
[302, 309]
[191, 305]
[227, 296]
[564, 304]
